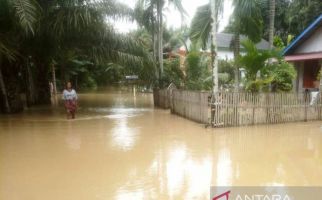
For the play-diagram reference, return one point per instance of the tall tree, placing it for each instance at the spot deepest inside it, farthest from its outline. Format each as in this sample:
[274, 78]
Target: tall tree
[272, 5]
[157, 6]
[216, 9]
[280, 25]
[301, 13]
[246, 19]
[17, 19]
[61, 26]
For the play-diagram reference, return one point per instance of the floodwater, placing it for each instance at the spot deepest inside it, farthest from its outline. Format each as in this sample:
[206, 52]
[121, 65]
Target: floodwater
[120, 147]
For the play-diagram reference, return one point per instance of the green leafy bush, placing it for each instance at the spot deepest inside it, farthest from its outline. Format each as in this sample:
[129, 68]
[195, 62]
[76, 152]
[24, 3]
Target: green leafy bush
[282, 74]
[172, 72]
[198, 73]
[261, 73]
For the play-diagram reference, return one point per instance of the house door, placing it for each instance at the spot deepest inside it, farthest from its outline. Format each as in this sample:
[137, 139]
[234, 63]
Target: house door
[311, 70]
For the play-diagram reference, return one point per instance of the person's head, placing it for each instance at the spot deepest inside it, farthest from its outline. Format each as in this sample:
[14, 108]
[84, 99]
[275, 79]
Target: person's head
[68, 85]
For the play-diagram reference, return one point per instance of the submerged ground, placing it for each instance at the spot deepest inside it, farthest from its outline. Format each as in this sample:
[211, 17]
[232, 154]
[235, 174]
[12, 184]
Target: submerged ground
[120, 147]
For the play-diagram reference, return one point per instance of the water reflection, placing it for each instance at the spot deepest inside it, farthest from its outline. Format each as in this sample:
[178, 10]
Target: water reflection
[224, 168]
[123, 135]
[121, 148]
[73, 139]
[123, 194]
[175, 169]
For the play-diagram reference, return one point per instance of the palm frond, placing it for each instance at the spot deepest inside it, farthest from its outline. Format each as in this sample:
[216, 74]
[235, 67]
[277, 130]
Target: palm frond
[7, 52]
[108, 46]
[145, 16]
[178, 5]
[112, 8]
[247, 18]
[27, 11]
[7, 49]
[201, 25]
[77, 17]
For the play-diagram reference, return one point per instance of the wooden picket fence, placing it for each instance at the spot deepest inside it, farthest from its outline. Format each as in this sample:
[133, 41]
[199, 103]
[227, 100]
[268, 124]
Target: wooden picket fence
[192, 105]
[239, 109]
[161, 98]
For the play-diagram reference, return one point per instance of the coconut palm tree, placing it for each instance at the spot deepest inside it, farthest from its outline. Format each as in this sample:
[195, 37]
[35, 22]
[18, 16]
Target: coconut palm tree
[146, 17]
[272, 5]
[246, 19]
[216, 9]
[15, 17]
[154, 10]
[54, 27]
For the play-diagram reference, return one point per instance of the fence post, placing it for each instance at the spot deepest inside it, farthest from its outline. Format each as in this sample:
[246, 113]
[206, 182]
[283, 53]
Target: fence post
[318, 105]
[267, 108]
[306, 100]
[156, 97]
[253, 104]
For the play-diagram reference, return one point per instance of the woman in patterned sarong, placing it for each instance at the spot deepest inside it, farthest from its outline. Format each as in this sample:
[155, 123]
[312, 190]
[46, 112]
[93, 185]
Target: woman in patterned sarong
[70, 100]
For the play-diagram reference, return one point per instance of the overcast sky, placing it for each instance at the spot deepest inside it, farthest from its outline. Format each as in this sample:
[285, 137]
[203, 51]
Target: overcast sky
[173, 18]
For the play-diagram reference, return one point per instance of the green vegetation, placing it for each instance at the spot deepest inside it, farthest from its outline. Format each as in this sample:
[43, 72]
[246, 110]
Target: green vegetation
[173, 73]
[59, 40]
[260, 73]
[282, 74]
[291, 16]
[198, 73]
[68, 39]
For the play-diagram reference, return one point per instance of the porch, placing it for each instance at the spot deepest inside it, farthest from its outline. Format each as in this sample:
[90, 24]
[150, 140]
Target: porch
[307, 73]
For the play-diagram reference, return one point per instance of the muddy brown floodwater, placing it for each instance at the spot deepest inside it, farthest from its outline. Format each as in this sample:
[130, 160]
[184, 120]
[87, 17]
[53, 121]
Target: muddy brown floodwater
[120, 147]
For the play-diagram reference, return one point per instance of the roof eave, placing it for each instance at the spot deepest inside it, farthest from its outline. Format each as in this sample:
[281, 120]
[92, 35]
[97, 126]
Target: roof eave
[308, 30]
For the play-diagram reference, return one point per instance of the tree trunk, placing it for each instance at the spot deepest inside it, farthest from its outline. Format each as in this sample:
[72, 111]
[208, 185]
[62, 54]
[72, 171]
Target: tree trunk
[214, 48]
[160, 37]
[14, 92]
[272, 5]
[30, 89]
[4, 93]
[54, 79]
[63, 73]
[236, 56]
[43, 91]
[11, 87]
[154, 39]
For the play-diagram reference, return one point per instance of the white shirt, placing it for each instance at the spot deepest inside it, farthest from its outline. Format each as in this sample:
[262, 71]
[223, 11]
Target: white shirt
[314, 97]
[69, 95]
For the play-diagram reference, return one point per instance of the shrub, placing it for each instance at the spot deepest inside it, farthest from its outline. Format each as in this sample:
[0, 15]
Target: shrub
[172, 73]
[282, 74]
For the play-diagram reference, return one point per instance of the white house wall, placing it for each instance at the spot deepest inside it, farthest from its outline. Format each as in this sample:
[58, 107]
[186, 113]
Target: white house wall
[312, 44]
[227, 55]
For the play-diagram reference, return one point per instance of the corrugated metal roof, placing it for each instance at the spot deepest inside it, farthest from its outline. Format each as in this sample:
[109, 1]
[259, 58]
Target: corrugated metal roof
[303, 36]
[224, 40]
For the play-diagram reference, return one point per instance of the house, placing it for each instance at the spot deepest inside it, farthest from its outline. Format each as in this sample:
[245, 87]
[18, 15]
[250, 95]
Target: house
[225, 50]
[305, 52]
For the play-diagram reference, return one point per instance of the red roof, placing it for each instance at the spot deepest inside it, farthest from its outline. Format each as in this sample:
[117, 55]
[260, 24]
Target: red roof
[299, 57]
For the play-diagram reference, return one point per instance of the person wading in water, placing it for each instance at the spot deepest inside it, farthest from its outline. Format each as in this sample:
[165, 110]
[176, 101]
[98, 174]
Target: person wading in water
[70, 98]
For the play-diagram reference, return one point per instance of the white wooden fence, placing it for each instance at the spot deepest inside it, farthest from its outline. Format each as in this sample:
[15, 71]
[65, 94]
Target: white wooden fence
[240, 109]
